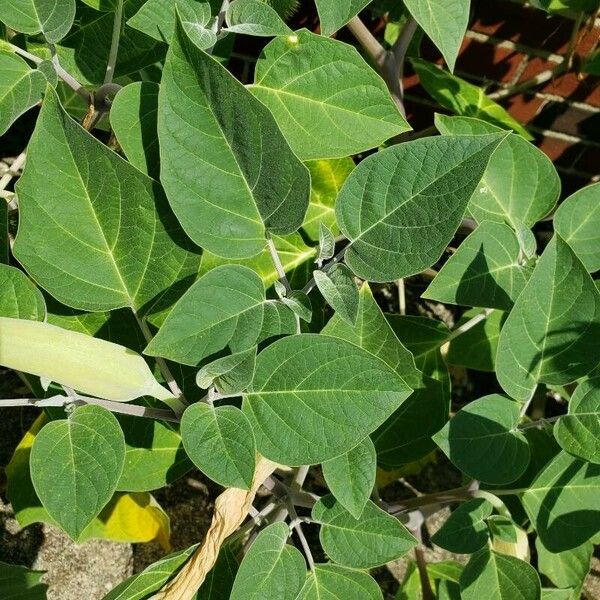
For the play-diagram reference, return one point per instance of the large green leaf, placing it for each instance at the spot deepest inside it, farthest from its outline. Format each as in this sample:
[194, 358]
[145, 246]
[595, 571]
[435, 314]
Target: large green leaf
[19, 298]
[566, 569]
[327, 101]
[327, 178]
[227, 306]
[372, 540]
[463, 98]
[220, 443]
[151, 579]
[20, 583]
[465, 530]
[351, 476]
[334, 14]
[313, 396]
[21, 87]
[444, 22]
[154, 455]
[373, 333]
[76, 464]
[562, 503]
[577, 221]
[93, 230]
[551, 334]
[255, 17]
[133, 116]
[499, 577]
[520, 185]
[401, 207]
[485, 271]
[579, 432]
[156, 18]
[227, 169]
[53, 18]
[486, 427]
[332, 582]
[272, 568]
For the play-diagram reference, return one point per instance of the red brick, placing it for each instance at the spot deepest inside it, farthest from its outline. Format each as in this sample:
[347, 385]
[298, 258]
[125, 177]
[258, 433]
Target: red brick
[535, 66]
[488, 62]
[525, 25]
[524, 108]
[578, 88]
[558, 151]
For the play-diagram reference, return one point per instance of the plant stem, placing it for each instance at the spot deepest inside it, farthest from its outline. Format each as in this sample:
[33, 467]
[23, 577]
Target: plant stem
[66, 77]
[13, 171]
[297, 527]
[470, 323]
[278, 265]
[543, 422]
[116, 407]
[180, 404]
[368, 41]
[527, 403]
[401, 296]
[400, 47]
[114, 44]
[336, 259]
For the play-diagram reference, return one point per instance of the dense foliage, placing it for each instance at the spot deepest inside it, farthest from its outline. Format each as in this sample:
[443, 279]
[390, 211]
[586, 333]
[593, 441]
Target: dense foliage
[197, 272]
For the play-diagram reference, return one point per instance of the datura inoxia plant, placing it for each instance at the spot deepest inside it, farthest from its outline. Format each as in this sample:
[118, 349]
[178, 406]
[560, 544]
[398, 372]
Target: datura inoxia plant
[198, 271]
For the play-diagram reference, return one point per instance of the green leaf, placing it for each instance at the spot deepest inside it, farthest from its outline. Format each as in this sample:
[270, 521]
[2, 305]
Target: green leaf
[115, 242]
[499, 577]
[19, 298]
[219, 581]
[476, 348]
[226, 194]
[485, 270]
[577, 221]
[92, 366]
[486, 427]
[463, 98]
[339, 290]
[338, 392]
[520, 185]
[326, 244]
[579, 432]
[255, 17]
[133, 116]
[550, 336]
[4, 239]
[272, 568]
[21, 87]
[562, 503]
[84, 52]
[53, 18]
[332, 582]
[291, 249]
[327, 178]
[299, 303]
[401, 207]
[465, 530]
[151, 579]
[351, 476]
[372, 540]
[154, 455]
[230, 374]
[76, 464]
[327, 101]
[566, 569]
[373, 333]
[156, 18]
[20, 583]
[220, 443]
[225, 306]
[334, 14]
[445, 23]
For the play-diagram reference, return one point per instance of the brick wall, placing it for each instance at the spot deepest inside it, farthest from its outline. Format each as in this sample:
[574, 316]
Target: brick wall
[509, 42]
